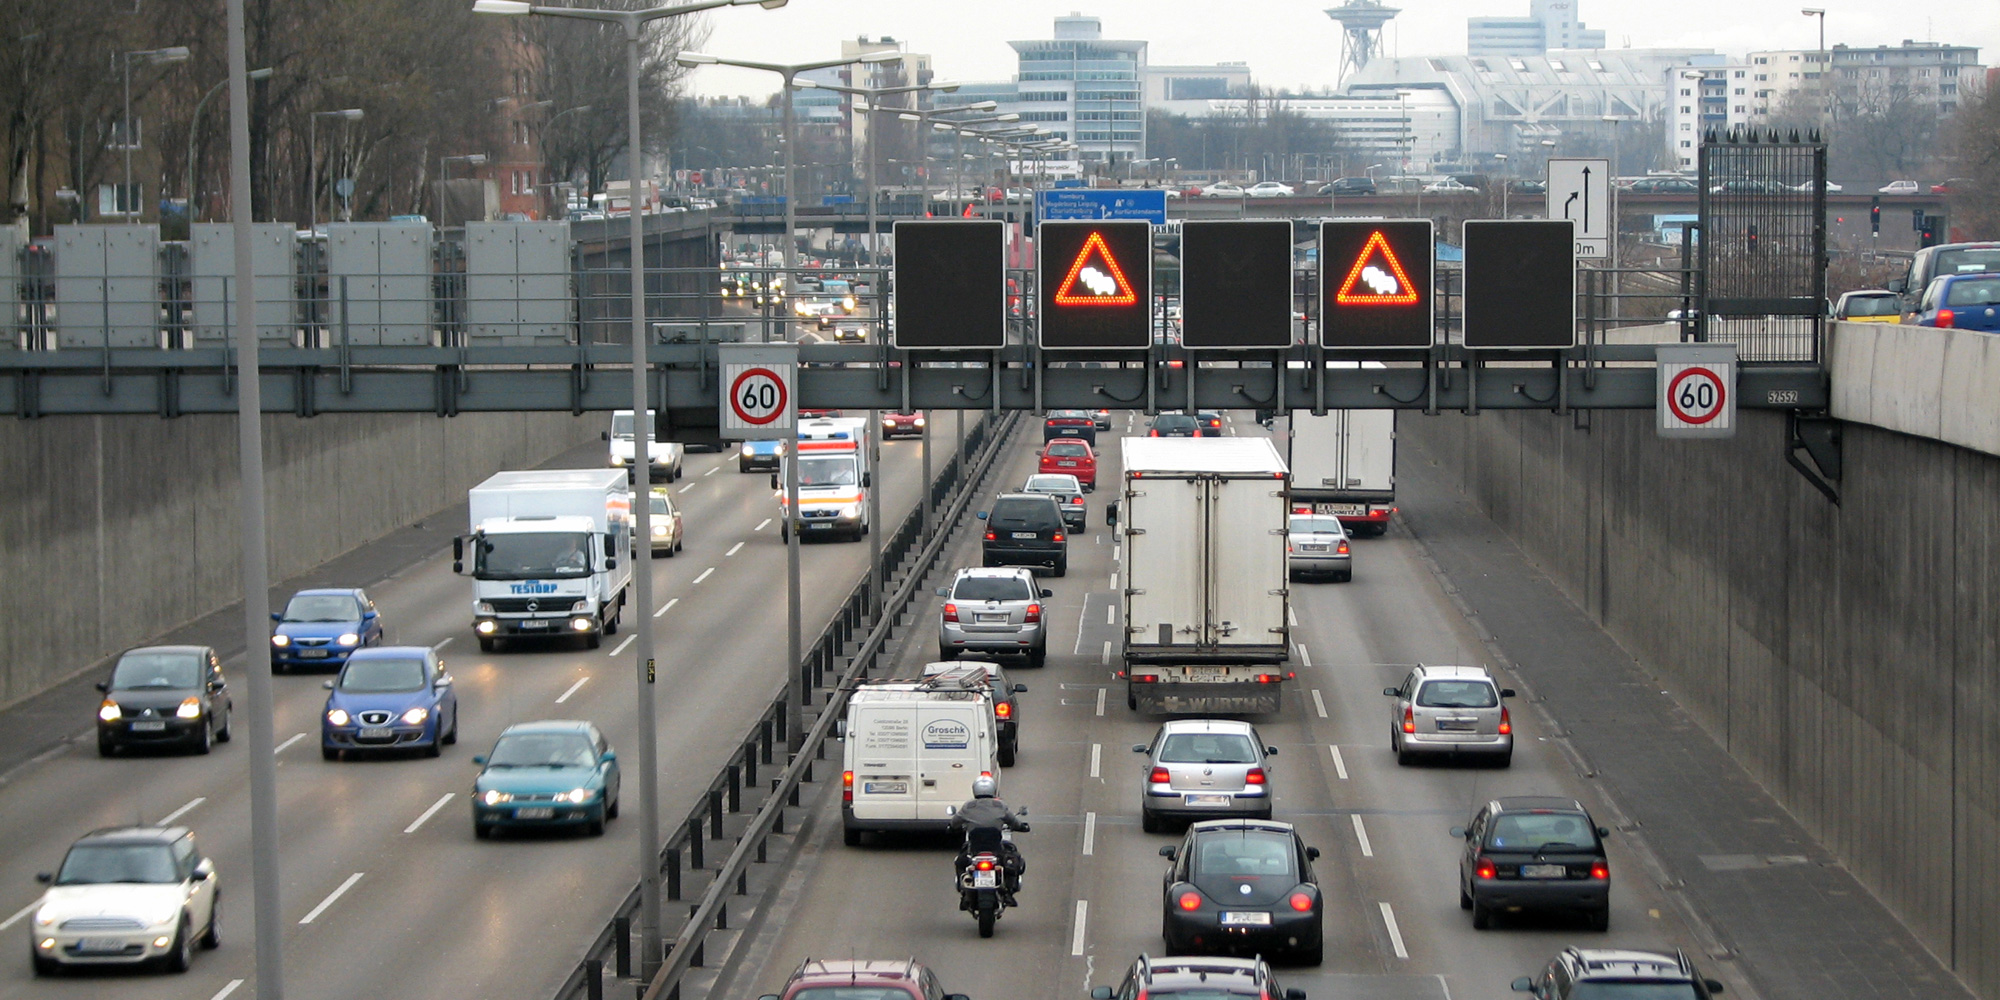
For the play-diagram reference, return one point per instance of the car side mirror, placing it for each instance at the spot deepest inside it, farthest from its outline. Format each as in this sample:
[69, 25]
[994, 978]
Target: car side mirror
[1138, 748]
[444, 680]
[774, 996]
[45, 878]
[610, 562]
[1392, 692]
[1713, 986]
[1523, 984]
[1111, 514]
[1312, 854]
[1270, 751]
[369, 616]
[326, 684]
[1100, 993]
[1020, 689]
[608, 757]
[1458, 831]
[1294, 993]
[604, 435]
[1602, 832]
[1048, 593]
[102, 687]
[479, 759]
[1170, 852]
[1898, 285]
[1506, 692]
[204, 869]
[457, 557]
[982, 515]
[277, 616]
[867, 480]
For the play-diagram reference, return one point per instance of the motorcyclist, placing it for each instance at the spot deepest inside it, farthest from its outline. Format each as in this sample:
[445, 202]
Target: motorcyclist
[986, 811]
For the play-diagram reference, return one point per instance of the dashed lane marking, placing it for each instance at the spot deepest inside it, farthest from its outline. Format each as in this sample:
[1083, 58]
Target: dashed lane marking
[1089, 834]
[704, 574]
[182, 811]
[227, 989]
[1096, 757]
[761, 525]
[1339, 764]
[280, 748]
[1076, 936]
[1395, 935]
[563, 697]
[432, 811]
[733, 549]
[664, 607]
[1319, 704]
[621, 646]
[331, 897]
[1361, 834]
[1100, 701]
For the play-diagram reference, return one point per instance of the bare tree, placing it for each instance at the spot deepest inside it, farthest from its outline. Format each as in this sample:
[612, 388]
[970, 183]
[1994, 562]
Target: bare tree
[1975, 144]
[583, 65]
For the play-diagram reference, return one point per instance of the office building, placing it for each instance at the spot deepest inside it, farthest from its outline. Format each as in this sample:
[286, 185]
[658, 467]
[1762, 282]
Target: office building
[1550, 25]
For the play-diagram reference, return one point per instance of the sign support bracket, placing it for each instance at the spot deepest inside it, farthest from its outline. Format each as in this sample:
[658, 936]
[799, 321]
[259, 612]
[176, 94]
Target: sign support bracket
[1319, 381]
[1471, 384]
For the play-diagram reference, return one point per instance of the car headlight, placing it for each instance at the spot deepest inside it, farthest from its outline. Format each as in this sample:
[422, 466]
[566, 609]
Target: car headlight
[348, 639]
[281, 640]
[44, 918]
[747, 450]
[109, 711]
[576, 795]
[337, 716]
[920, 421]
[483, 608]
[583, 605]
[416, 716]
[494, 797]
[659, 529]
[617, 460]
[486, 627]
[849, 513]
[190, 708]
[659, 459]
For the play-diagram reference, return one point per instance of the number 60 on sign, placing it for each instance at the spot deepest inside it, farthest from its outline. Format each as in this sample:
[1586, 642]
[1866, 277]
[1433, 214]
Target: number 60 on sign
[758, 395]
[1697, 390]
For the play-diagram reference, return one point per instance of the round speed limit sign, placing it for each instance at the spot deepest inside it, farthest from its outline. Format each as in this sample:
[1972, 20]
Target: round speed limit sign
[1696, 395]
[757, 396]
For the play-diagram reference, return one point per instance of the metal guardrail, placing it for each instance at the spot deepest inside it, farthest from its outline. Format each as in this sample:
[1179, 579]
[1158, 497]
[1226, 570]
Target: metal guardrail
[726, 794]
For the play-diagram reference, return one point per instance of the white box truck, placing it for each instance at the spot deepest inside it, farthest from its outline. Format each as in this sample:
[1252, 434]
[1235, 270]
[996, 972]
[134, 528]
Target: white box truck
[1344, 464]
[547, 554]
[1201, 538]
[910, 752]
[665, 457]
[834, 479]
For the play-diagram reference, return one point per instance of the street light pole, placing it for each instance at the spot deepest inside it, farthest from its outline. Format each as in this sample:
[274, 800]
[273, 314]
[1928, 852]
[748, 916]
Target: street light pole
[194, 129]
[312, 161]
[177, 53]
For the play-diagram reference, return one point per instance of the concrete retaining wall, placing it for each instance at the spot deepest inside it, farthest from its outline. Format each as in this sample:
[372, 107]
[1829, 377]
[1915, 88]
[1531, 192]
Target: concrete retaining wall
[113, 529]
[1848, 656]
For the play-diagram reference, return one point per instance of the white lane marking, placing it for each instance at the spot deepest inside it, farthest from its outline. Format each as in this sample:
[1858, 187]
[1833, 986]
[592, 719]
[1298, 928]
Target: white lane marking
[227, 989]
[432, 811]
[18, 914]
[664, 607]
[1361, 834]
[622, 645]
[1096, 757]
[1111, 616]
[688, 487]
[563, 697]
[1077, 647]
[1339, 763]
[330, 897]
[1115, 555]
[761, 525]
[1292, 615]
[1395, 936]
[733, 549]
[1114, 580]
[1100, 701]
[704, 574]
[281, 747]
[1304, 656]
[442, 643]
[1076, 937]
[1104, 658]
[1319, 704]
[1089, 834]
[182, 811]
[711, 470]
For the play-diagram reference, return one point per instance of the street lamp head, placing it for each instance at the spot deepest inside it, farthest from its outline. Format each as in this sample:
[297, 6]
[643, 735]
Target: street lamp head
[693, 58]
[260, 74]
[504, 8]
[804, 85]
[350, 114]
[980, 106]
[950, 87]
[766, 4]
[880, 56]
[940, 126]
[474, 159]
[177, 53]
[1008, 117]
[1813, 12]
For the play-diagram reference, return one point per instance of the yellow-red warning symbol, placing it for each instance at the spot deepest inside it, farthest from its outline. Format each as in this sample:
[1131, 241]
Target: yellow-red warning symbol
[1386, 283]
[1105, 286]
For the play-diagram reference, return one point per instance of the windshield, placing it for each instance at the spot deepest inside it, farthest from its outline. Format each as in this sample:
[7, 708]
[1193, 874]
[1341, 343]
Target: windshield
[827, 472]
[1973, 292]
[1245, 854]
[157, 670]
[323, 608]
[991, 588]
[1874, 305]
[1601, 990]
[376, 676]
[94, 864]
[1209, 748]
[659, 505]
[529, 557]
[1051, 484]
[852, 993]
[621, 425]
[1457, 694]
[543, 750]
[1316, 526]
[1069, 449]
[1205, 991]
[1537, 830]
[1967, 260]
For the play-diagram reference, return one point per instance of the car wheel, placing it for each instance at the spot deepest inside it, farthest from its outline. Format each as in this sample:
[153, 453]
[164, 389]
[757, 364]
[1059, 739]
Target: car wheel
[850, 836]
[1314, 955]
[947, 653]
[485, 644]
[1600, 920]
[1482, 917]
[482, 831]
[222, 734]
[1038, 658]
[1062, 567]
[45, 966]
[1347, 577]
[611, 811]
[328, 753]
[596, 827]
[452, 736]
[106, 748]
[204, 740]
[179, 959]
[679, 542]
[211, 939]
[1464, 898]
[593, 640]
[1150, 824]
[435, 747]
[1506, 760]
[278, 669]
[1131, 698]
[1006, 754]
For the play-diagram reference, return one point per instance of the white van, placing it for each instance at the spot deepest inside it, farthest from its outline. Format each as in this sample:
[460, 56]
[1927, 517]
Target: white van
[912, 749]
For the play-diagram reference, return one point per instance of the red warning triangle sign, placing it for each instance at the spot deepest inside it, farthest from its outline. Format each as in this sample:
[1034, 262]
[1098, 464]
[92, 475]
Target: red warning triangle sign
[1381, 274]
[1103, 281]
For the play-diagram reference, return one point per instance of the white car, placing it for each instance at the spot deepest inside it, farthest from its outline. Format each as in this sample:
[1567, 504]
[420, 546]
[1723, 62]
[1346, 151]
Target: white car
[1222, 189]
[1899, 187]
[1830, 187]
[667, 457]
[665, 521]
[1449, 185]
[1269, 189]
[126, 896]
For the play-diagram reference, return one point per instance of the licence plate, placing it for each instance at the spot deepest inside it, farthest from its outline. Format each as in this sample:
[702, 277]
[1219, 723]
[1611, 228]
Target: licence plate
[985, 880]
[1457, 725]
[1067, 465]
[1344, 509]
[309, 654]
[1544, 871]
[991, 619]
[819, 527]
[534, 623]
[99, 946]
[375, 732]
[535, 812]
[885, 788]
[150, 726]
[1312, 548]
[1207, 800]
[1024, 534]
[1237, 919]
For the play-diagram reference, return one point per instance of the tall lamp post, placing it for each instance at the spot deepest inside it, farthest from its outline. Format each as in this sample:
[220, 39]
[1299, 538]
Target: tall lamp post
[872, 96]
[312, 160]
[633, 22]
[194, 129]
[172, 54]
[1506, 183]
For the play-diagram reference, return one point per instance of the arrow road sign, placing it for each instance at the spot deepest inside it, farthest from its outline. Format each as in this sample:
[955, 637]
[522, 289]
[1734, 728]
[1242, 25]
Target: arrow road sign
[1580, 191]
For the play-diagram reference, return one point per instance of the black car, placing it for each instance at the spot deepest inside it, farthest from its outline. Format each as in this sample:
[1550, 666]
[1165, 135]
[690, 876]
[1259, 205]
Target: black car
[1209, 423]
[1025, 529]
[1242, 886]
[1070, 424]
[1349, 186]
[1527, 187]
[1617, 974]
[1534, 852]
[1664, 185]
[164, 696]
[1174, 425]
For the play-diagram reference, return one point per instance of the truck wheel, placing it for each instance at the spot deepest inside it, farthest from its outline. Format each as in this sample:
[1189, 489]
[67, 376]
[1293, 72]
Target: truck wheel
[486, 644]
[1131, 698]
[592, 640]
[850, 836]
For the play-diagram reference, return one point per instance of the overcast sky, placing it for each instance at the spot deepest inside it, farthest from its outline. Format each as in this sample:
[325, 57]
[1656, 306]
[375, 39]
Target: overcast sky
[1292, 43]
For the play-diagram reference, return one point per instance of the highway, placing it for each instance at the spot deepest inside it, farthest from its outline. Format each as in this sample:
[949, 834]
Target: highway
[385, 890]
[1091, 901]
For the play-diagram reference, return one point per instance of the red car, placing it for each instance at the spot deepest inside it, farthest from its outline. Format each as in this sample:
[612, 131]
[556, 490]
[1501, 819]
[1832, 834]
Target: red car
[903, 979]
[1073, 456]
[902, 425]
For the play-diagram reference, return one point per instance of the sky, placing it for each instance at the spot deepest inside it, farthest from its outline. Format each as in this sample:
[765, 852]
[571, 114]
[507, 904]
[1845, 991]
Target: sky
[1292, 43]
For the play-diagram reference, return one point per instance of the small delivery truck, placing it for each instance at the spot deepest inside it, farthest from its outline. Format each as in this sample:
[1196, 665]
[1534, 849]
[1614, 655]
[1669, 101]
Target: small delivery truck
[547, 554]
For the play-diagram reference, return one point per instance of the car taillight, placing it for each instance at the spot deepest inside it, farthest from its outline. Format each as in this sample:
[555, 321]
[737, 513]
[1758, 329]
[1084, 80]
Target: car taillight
[951, 612]
[1059, 536]
[847, 786]
[1255, 777]
[1600, 870]
[991, 536]
[1409, 720]
[1144, 679]
[1190, 900]
[1159, 776]
[1342, 549]
[984, 864]
[1506, 722]
[1946, 317]
[1302, 902]
[1268, 678]
[1034, 613]
[1485, 869]
[1152, 433]
[1003, 710]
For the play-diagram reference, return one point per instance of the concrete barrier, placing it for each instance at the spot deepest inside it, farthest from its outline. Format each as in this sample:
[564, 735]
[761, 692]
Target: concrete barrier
[1848, 656]
[113, 529]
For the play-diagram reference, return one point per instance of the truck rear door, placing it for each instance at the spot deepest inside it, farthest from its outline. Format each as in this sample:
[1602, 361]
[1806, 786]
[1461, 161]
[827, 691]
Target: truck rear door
[1163, 561]
[953, 746]
[884, 761]
[1246, 521]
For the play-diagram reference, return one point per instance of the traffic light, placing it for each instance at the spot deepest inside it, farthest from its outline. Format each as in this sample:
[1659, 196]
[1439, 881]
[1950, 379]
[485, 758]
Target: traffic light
[1875, 215]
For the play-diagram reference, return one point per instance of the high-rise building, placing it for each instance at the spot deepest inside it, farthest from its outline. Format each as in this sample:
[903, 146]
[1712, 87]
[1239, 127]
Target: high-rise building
[1550, 24]
[1083, 86]
[1918, 73]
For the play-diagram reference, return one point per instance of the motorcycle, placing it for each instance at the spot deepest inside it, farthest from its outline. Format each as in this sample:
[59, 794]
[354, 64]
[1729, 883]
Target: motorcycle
[985, 886]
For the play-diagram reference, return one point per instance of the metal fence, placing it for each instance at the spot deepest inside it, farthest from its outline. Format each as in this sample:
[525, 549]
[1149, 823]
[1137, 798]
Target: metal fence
[1763, 244]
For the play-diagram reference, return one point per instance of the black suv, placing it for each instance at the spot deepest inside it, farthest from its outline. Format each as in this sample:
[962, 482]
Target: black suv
[1534, 852]
[1349, 186]
[1174, 425]
[1608, 974]
[1025, 529]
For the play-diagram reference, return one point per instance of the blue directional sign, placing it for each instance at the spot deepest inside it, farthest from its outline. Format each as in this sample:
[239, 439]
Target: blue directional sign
[1095, 205]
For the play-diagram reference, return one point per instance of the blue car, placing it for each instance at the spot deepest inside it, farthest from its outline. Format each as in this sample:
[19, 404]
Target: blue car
[752, 456]
[319, 628]
[1962, 302]
[558, 772]
[389, 698]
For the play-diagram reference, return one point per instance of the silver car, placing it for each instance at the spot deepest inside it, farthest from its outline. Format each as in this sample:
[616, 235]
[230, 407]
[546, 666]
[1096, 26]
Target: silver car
[1068, 491]
[1453, 711]
[1200, 769]
[993, 610]
[1317, 546]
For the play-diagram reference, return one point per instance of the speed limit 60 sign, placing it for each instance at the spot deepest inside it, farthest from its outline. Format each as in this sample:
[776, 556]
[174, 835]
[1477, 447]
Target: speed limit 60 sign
[1697, 390]
[759, 395]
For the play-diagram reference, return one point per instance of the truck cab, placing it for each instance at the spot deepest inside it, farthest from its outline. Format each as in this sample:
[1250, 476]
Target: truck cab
[547, 555]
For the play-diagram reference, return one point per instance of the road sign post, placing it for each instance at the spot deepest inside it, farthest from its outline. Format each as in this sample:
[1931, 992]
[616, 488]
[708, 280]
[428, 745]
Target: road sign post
[950, 285]
[1697, 385]
[1375, 284]
[1520, 284]
[1095, 285]
[1236, 285]
[1580, 191]
[759, 392]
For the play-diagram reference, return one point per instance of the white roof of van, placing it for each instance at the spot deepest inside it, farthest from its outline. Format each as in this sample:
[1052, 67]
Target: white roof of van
[542, 479]
[1241, 455]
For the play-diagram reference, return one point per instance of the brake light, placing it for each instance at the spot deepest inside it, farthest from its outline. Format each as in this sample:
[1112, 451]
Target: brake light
[1946, 317]
[984, 864]
[1600, 870]
[1343, 547]
[847, 786]
[991, 536]
[1506, 722]
[1486, 869]
[1159, 776]
[1268, 678]
[1152, 433]
[1190, 900]
[1059, 536]
[1255, 777]
[1003, 710]
[1144, 678]
[1034, 613]
[951, 612]
[1302, 902]
[1409, 720]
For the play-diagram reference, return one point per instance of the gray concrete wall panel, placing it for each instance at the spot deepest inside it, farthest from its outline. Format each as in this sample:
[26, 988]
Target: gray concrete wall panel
[1848, 656]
